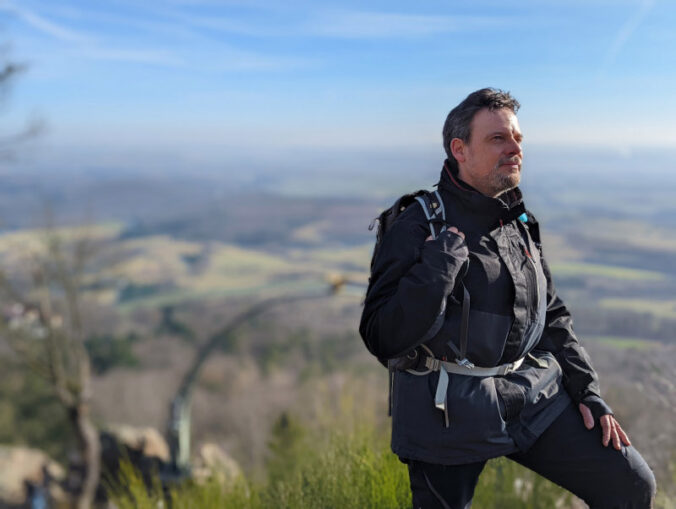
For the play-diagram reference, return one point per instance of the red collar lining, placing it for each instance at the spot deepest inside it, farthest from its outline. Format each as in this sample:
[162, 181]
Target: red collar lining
[453, 179]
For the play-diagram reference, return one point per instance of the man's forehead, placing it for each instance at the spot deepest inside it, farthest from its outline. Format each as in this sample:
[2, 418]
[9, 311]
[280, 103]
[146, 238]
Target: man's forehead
[490, 120]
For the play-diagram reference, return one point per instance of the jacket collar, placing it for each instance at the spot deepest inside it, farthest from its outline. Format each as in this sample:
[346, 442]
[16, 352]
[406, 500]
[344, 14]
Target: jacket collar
[486, 211]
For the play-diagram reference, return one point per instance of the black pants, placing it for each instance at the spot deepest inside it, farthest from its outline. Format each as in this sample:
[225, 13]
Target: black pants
[566, 453]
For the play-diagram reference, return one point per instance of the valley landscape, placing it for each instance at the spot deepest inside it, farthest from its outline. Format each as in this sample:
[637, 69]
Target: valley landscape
[178, 257]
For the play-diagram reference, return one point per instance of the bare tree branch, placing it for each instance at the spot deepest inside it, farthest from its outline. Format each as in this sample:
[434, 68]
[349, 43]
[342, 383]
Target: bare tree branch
[50, 347]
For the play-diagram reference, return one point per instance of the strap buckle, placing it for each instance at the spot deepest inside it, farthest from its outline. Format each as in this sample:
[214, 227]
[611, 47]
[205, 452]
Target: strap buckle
[465, 363]
[432, 363]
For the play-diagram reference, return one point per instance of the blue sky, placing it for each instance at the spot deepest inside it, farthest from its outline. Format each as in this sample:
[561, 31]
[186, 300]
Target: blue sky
[205, 77]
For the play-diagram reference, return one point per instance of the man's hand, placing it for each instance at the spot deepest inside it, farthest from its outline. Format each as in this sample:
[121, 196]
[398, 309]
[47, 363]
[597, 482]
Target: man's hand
[451, 229]
[611, 429]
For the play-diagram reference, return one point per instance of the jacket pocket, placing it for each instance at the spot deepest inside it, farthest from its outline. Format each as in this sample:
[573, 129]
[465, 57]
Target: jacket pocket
[531, 386]
[511, 397]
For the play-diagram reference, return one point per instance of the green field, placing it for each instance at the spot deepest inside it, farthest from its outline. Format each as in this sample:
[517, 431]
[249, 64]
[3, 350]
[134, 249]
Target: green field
[626, 343]
[263, 291]
[568, 269]
[229, 271]
[659, 308]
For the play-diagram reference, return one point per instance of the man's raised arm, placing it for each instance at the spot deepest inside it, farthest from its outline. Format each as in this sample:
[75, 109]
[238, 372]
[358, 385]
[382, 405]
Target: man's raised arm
[410, 282]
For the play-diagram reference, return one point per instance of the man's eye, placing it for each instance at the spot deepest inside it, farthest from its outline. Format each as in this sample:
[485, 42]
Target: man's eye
[498, 138]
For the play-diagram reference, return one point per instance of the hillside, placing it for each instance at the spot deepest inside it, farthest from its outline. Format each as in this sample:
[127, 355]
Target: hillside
[166, 278]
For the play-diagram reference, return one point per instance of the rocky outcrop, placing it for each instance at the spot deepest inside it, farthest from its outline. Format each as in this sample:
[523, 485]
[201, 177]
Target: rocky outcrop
[147, 441]
[23, 469]
[212, 462]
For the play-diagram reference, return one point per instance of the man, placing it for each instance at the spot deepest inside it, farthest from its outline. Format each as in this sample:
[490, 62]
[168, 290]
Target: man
[484, 361]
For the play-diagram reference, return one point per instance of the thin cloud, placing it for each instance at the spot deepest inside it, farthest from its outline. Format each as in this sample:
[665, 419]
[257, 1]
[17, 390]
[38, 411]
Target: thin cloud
[228, 59]
[216, 3]
[137, 56]
[43, 24]
[176, 52]
[372, 25]
[149, 25]
[344, 24]
[253, 62]
[234, 26]
[224, 60]
[626, 31]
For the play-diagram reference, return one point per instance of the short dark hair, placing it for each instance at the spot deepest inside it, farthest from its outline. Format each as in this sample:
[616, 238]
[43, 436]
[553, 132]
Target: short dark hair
[459, 120]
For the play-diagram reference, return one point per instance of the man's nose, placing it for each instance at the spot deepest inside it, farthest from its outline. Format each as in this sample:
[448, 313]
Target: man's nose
[515, 147]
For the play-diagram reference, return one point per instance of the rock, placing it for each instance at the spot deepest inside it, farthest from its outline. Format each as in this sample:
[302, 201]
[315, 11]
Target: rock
[147, 441]
[21, 465]
[212, 462]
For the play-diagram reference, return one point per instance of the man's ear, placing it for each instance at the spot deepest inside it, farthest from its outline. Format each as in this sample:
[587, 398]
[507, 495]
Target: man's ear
[458, 149]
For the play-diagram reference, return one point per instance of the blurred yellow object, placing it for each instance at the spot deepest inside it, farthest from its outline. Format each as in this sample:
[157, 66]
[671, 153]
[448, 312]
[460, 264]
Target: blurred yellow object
[337, 282]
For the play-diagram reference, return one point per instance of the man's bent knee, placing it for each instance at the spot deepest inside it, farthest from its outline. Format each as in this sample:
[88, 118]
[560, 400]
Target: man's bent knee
[634, 490]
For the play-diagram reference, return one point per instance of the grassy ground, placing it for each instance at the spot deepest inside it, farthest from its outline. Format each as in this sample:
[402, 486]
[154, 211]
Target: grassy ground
[343, 471]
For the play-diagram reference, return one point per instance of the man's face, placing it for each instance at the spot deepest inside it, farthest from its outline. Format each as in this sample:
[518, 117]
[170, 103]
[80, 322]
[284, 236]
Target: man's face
[491, 160]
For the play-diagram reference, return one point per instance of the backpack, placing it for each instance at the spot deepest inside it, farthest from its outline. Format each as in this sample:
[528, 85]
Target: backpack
[432, 206]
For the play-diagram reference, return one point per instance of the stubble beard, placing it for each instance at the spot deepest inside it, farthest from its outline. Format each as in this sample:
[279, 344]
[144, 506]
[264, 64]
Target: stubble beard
[500, 182]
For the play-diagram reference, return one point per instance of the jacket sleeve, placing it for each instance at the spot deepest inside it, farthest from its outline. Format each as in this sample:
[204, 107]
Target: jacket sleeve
[579, 377]
[410, 282]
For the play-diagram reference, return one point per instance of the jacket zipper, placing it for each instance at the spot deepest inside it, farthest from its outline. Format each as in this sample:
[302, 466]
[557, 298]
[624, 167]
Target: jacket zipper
[535, 309]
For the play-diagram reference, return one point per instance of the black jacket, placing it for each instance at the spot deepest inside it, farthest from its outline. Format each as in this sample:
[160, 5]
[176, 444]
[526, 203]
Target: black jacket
[414, 298]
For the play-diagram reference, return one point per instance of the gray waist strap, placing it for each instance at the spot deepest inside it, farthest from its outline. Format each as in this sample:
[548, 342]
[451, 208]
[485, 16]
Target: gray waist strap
[462, 367]
[470, 370]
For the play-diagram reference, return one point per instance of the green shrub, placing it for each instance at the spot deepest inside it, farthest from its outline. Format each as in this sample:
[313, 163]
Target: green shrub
[30, 413]
[107, 351]
[343, 471]
[288, 447]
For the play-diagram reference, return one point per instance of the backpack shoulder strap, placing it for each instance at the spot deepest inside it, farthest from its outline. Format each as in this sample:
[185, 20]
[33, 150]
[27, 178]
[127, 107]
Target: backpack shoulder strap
[434, 210]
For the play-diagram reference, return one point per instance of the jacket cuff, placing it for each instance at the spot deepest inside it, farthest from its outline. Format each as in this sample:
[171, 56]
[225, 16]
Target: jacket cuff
[597, 406]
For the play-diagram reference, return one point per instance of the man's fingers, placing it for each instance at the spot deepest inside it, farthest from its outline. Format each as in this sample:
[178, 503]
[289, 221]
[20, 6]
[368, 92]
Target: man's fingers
[606, 428]
[610, 428]
[452, 229]
[456, 231]
[622, 434]
[615, 435]
[587, 417]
